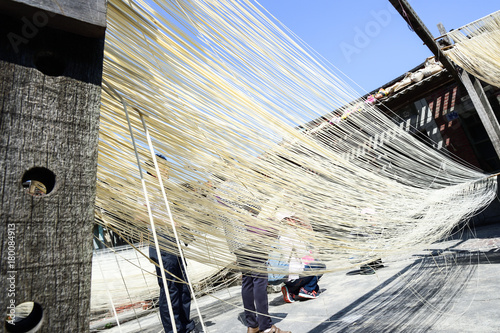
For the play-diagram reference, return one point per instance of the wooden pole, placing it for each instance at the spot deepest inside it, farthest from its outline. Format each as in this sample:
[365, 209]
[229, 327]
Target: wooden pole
[442, 31]
[414, 22]
[483, 108]
[51, 56]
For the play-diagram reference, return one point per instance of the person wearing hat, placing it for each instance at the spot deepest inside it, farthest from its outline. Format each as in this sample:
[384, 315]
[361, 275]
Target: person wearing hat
[178, 289]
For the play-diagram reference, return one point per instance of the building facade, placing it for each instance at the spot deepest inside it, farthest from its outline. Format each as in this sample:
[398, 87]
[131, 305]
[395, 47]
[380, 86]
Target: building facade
[437, 110]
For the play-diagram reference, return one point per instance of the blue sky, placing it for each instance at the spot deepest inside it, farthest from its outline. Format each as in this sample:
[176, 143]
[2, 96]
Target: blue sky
[367, 39]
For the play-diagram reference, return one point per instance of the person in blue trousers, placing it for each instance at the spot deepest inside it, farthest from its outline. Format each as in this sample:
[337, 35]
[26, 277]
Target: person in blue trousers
[180, 296]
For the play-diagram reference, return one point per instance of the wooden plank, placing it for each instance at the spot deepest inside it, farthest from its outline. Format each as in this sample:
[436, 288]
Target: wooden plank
[83, 17]
[483, 108]
[443, 32]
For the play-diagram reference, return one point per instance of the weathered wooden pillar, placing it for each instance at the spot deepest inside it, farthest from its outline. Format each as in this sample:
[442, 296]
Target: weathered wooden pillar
[51, 55]
[483, 108]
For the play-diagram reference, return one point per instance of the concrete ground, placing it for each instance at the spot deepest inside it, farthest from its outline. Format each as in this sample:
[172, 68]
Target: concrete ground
[450, 287]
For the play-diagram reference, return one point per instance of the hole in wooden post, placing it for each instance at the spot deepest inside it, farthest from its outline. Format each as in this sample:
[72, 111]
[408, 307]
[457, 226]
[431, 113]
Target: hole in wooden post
[38, 181]
[26, 317]
[50, 63]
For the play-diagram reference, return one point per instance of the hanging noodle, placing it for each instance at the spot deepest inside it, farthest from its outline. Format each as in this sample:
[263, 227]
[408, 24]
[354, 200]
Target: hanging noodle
[254, 128]
[476, 48]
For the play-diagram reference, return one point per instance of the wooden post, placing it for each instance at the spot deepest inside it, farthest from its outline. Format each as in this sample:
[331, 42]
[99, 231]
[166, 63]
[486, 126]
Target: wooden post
[442, 31]
[51, 56]
[483, 108]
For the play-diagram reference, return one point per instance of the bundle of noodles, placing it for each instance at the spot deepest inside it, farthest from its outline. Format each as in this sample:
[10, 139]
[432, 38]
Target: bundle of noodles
[476, 48]
[254, 127]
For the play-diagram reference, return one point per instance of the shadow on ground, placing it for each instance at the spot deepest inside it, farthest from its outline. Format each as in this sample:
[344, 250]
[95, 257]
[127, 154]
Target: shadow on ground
[416, 297]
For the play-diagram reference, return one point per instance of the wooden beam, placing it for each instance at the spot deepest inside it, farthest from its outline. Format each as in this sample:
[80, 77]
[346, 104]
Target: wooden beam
[483, 108]
[444, 36]
[83, 17]
[414, 22]
[50, 78]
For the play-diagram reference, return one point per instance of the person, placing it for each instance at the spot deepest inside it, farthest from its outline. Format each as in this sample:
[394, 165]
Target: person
[249, 257]
[254, 293]
[299, 286]
[178, 289]
[180, 296]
